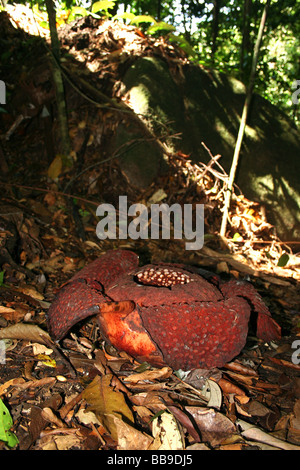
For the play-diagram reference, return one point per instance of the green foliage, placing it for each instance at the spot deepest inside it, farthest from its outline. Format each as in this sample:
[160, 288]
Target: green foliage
[160, 27]
[125, 16]
[103, 5]
[77, 12]
[215, 33]
[181, 41]
[283, 260]
[6, 423]
[2, 278]
[142, 19]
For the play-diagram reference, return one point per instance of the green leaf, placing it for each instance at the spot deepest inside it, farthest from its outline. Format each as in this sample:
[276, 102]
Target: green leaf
[125, 16]
[143, 19]
[6, 423]
[94, 15]
[80, 11]
[161, 26]
[268, 255]
[44, 24]
[2, 284]
[283, 260]
[83, 213]
[103, 5]
[237, 237]
[183, 43]
[35, 9]
[12, 439]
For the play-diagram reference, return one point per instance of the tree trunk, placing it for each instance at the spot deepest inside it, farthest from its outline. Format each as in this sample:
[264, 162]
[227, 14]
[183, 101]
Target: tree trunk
[158, 10]
[58, 80]
[246, 41]
[215, 28]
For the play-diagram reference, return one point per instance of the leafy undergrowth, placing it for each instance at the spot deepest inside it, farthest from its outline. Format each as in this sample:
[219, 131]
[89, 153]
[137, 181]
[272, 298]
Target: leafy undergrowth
[82, 393]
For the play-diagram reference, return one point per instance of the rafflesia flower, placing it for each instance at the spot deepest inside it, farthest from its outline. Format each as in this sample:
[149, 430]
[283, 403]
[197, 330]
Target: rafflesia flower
[164, 314]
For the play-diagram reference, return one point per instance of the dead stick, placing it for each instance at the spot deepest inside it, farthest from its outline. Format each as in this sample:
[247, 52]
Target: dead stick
[239, 141]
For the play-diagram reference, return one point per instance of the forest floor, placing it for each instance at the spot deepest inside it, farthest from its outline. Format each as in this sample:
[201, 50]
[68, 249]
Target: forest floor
[48, 232]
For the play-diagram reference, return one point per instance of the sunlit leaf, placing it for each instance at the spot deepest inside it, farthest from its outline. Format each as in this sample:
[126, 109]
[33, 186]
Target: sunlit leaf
[165, 430]
[184, 419]
[143, 19]
[79, 11]
[161, 26]
[237, 237]
[46, 360]
[124, 16]
[44, 24]
[102, 5]
[182, 43]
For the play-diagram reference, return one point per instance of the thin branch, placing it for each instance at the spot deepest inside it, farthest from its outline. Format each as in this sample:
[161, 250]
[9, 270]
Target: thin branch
[243, 122]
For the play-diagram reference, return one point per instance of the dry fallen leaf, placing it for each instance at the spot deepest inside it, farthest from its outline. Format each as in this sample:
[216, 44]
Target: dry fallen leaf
[294, 424]
[107, 403]
[158, 196]
[144, 413]
[166, 433]
[38, 349]
[150, 375]
[249, 431]
[13, 314]
[236, 366]
[53, 442]
[87, 417]
[185, 421]
[213, 393]
[4, 387]
[150, 399]
[55, 168]
[31, 291]
[127, 437]
[213, 426]
[25, 331]
[6, 311]
[229, 387]
[197, 446]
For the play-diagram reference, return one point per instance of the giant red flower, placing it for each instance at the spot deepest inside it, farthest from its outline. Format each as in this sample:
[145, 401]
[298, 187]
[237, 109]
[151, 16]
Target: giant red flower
[163, 314]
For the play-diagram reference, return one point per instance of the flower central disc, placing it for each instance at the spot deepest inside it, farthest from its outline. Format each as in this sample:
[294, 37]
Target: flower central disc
[166, 277]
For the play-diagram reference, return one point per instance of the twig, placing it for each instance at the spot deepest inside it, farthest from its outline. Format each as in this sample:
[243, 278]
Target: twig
[240, 137]
[45, 190]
